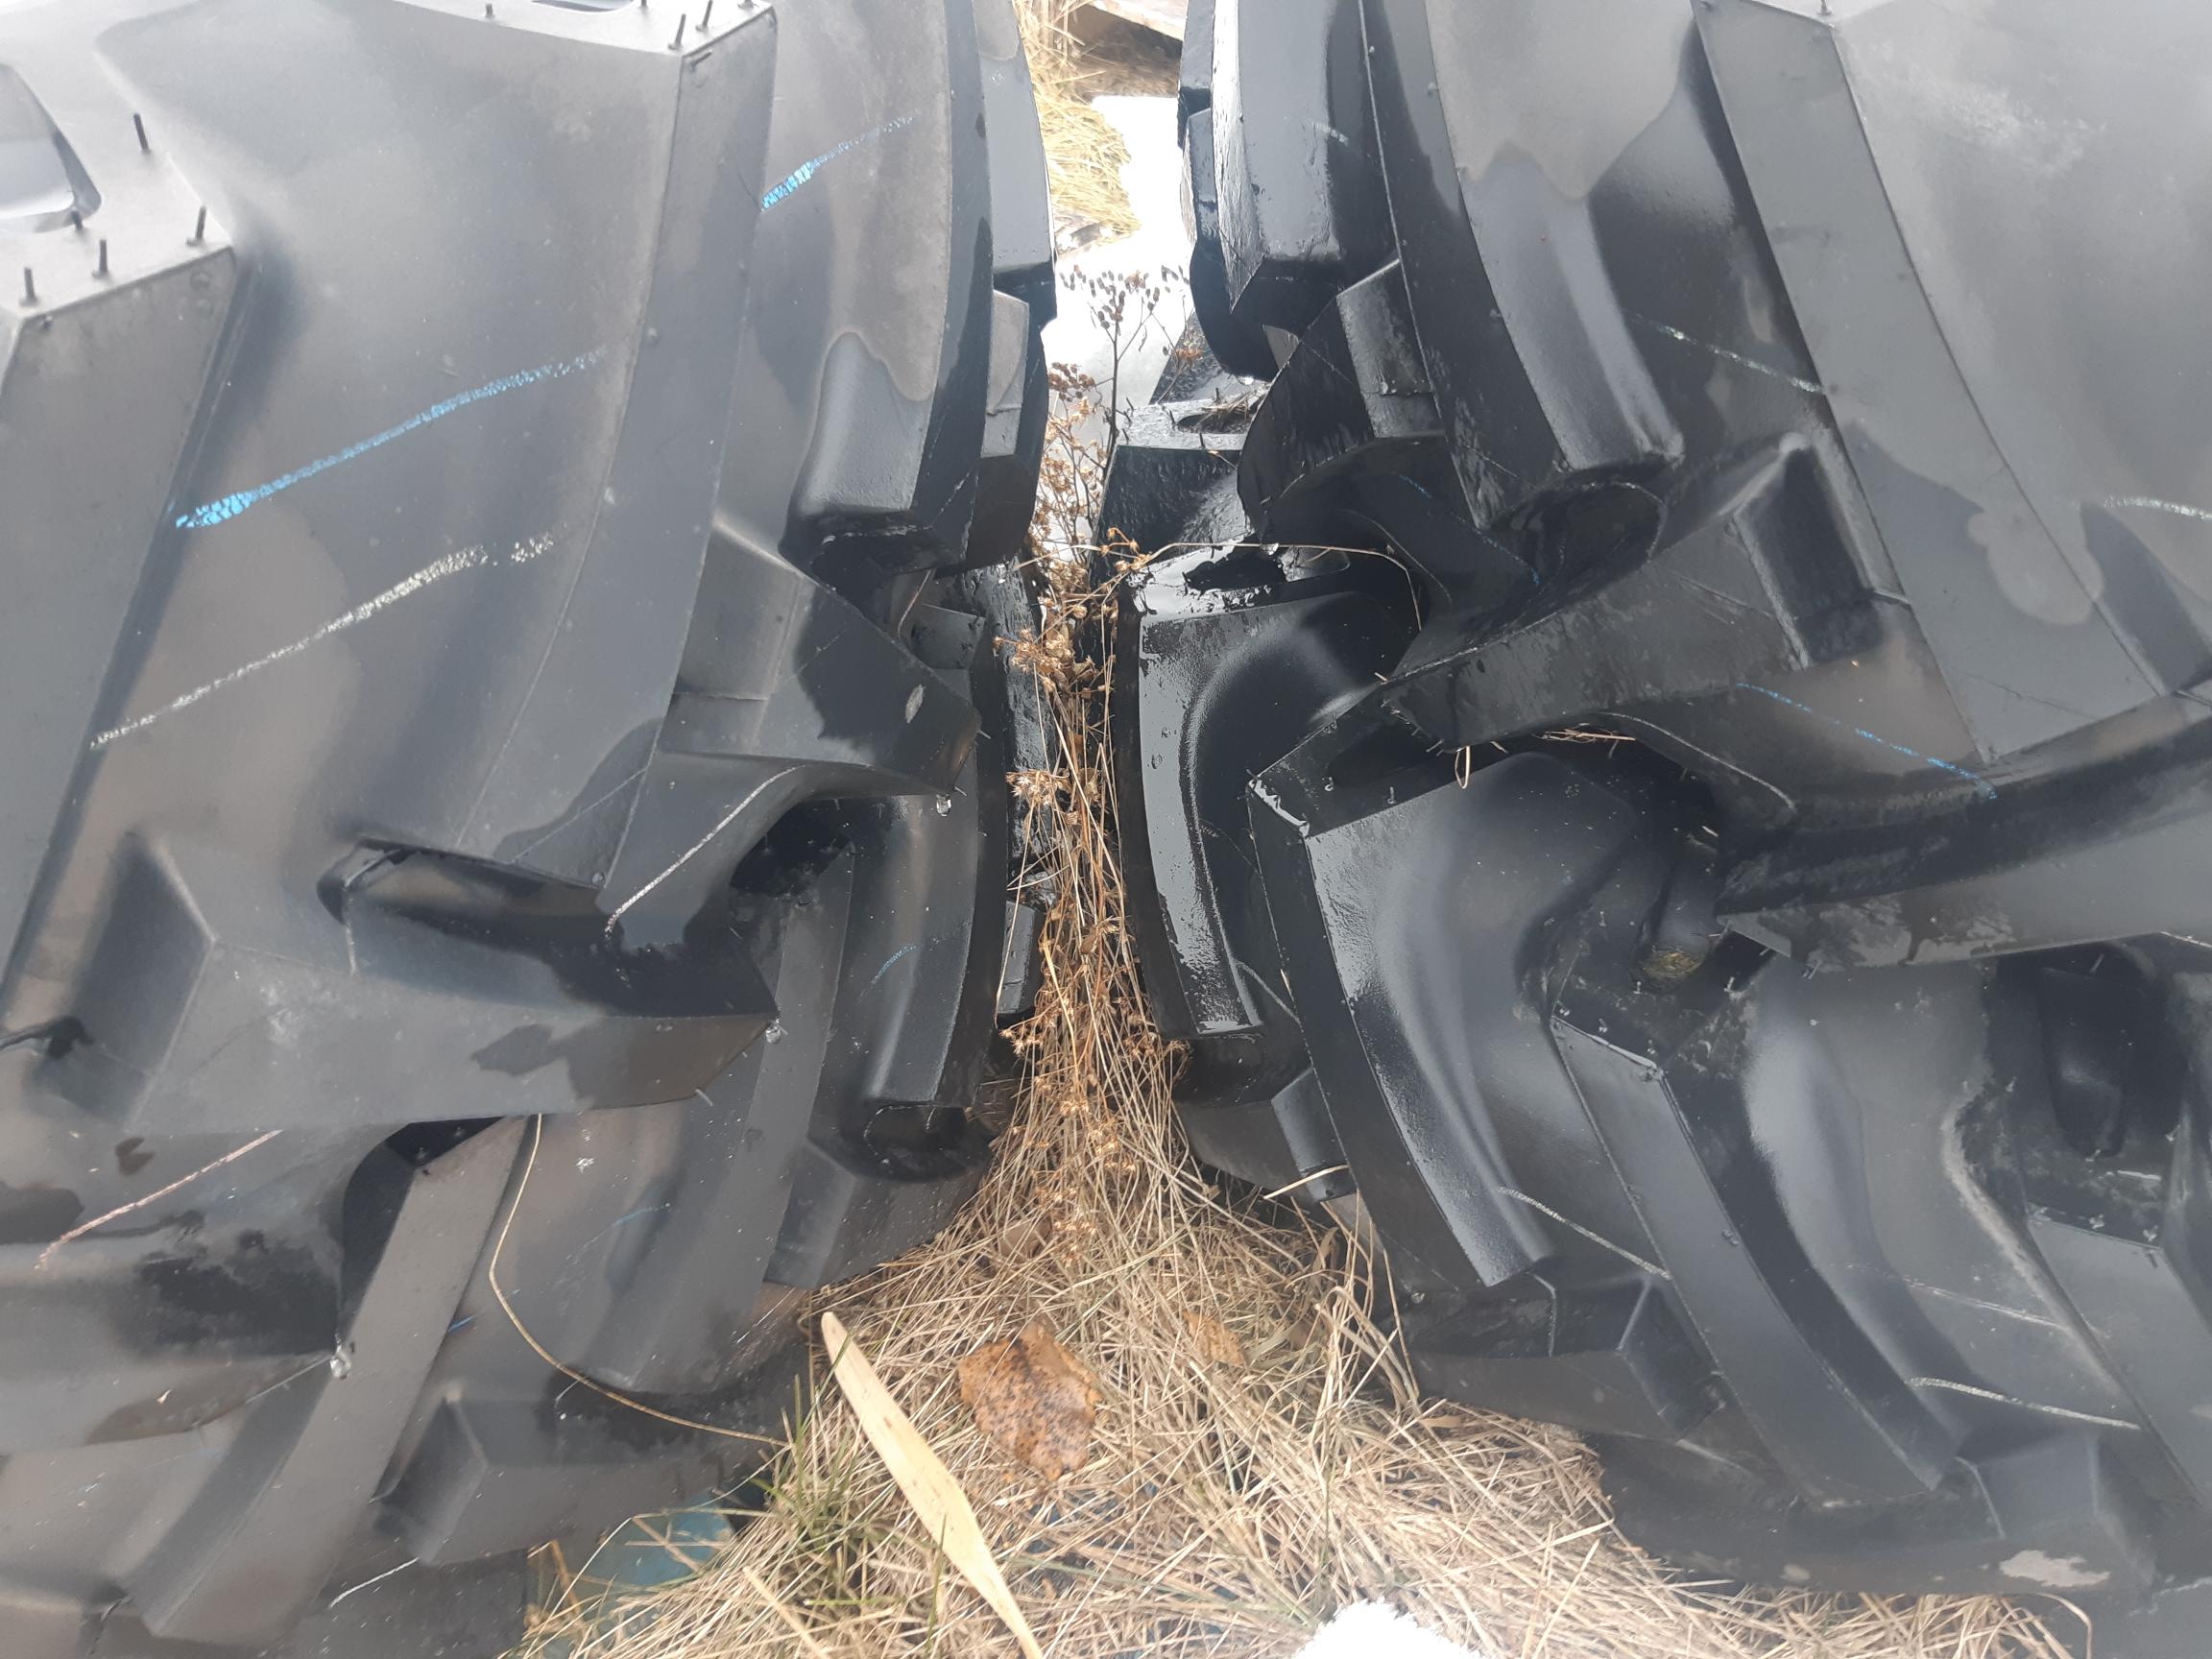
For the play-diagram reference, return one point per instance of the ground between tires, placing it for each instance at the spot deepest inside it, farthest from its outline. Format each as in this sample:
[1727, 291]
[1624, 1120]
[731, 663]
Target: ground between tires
[1261, 1458]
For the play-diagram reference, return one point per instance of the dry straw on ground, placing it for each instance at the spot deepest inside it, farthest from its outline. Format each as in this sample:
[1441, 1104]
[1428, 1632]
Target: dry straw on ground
[1259, 1455]
[1072, 61]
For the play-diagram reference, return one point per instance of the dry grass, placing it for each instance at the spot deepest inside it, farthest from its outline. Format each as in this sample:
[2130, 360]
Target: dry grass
[1230, 1502]
[1071, 62]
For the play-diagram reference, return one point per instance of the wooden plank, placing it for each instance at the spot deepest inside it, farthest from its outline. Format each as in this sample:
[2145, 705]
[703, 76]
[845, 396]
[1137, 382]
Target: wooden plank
[1163, 16]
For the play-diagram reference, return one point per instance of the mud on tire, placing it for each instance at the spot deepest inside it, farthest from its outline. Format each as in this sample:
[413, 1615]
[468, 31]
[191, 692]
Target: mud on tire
[1678, 793]
[509, 516]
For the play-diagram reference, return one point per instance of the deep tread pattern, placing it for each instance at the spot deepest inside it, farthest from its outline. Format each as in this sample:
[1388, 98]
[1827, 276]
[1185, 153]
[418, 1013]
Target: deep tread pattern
[1014, 425]
[869, 473]
[1020, 198]
[166, 317]
[1712, 851]
[1292, 638]
[519, 521]
[270, 1524]
[1302, 211]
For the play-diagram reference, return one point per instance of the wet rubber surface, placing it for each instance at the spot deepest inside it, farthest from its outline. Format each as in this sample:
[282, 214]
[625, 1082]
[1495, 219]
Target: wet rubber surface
[1673, 787]
[509, 516]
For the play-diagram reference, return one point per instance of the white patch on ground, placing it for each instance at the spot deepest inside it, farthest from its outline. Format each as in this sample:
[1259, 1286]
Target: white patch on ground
[1154, 182]
[2053, 1571]
[1376, 1630]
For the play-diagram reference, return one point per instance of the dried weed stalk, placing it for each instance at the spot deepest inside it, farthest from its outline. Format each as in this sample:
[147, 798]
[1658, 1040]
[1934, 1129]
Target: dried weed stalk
[1261, 1457]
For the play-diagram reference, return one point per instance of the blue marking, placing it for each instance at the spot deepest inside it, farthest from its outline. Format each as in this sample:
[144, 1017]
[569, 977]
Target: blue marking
[1979, 782]
[460, 1324]
[211, 513]
[891, 961]
[806, 170]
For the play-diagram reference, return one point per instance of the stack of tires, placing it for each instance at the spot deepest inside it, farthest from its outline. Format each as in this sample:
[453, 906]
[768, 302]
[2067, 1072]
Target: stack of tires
[509, 516]
[1678, 789]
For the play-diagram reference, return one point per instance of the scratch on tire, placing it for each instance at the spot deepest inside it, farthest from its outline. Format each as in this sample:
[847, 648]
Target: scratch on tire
[2066, 1411]
[1752, 363]
[211, 513]
[806, 170]
[891, 961]
[1997, 1307]
[437, 570]
[614, 918]
[1987, 788]
[577, 816]
[2158, 506]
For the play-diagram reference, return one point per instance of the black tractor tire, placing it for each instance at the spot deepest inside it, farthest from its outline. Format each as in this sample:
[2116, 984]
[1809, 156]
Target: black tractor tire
[510, 517]
[1680, 791]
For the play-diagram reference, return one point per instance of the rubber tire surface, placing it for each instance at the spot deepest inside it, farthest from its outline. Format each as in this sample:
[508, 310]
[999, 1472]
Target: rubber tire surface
[510, 517]
[1679, 796]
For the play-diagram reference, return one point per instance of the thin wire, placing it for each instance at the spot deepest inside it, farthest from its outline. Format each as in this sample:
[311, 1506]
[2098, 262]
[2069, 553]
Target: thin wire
[378, 1580]
[51, 1029]
[1596, 1238]
[2065, 1411]
[121, 1209]
[499, 1294]
[1317, 1175]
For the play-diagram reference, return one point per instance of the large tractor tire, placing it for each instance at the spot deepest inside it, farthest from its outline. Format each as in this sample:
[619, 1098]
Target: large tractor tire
[509, 515]
[1678, 789]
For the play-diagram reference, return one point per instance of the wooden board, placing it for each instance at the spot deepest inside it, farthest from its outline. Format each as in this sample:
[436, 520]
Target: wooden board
[1164, 17]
